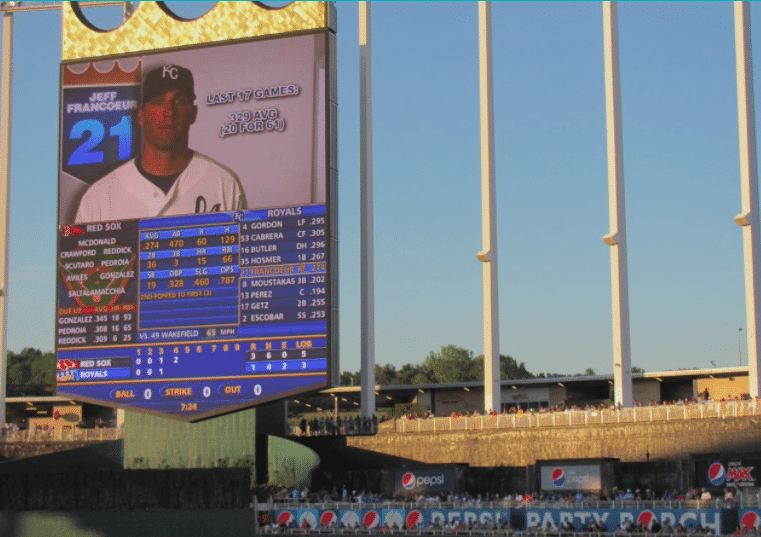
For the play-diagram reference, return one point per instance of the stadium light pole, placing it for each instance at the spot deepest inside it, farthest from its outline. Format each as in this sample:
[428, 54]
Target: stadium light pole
[748, 219]
[367, 248]
[5, 179]
[488, 255]
[616, 239]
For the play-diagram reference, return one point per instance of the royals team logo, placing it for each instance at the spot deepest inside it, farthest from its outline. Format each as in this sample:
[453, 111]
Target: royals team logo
[408, 481]
[717, 474]
[646, 519]
[371, 519]
[286, 517]
[558, 477]
[750, 520]
[414, 519]
[328, 519]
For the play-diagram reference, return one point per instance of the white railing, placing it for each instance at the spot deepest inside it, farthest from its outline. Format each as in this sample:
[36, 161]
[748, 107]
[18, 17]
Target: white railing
[644, 414]
[745, 501]
[59, 435]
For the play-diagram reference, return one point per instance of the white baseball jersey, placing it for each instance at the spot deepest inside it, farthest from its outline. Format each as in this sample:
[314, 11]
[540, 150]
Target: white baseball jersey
[205, 186]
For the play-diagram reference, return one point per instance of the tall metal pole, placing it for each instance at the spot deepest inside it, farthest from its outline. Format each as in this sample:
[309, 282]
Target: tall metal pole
[5, 180]
[488, 256]
[367, 247]
[748, 219]
[616, 239]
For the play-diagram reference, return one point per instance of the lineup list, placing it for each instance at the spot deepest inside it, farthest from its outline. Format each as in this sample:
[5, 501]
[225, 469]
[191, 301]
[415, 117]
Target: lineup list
[97, 299]
[120, 284]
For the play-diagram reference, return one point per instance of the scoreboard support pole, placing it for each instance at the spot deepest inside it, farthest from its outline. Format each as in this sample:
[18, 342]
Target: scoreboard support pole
[748, 219]
[488, 256]
[5, 179]
[616, 239]
[367, 256]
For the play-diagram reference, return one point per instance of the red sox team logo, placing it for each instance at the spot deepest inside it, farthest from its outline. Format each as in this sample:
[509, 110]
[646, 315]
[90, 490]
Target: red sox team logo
[64, 365]
[68, 231]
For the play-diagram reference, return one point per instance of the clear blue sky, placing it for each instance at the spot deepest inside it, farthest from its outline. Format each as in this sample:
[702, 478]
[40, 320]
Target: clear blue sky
[680, 160]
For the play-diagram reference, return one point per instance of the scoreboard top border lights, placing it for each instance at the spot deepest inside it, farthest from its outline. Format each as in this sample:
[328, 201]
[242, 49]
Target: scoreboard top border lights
[153, 26]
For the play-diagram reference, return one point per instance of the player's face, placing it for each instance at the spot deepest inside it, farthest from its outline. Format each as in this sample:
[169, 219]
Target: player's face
[166, 120]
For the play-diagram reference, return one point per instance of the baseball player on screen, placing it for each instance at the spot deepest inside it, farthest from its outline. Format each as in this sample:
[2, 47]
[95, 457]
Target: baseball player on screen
[167, 178]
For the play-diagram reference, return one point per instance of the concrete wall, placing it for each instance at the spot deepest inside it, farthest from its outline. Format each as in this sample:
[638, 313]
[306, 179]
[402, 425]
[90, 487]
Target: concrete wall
[722, 388]
[636, 442]
[646, 391]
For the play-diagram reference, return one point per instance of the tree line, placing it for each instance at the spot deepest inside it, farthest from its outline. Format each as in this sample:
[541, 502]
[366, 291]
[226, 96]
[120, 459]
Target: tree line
[30, 372]
[452, 364]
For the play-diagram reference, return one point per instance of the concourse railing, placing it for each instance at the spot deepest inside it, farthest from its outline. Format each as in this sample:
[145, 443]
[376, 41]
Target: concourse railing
[565, 418]
[750, 501]
[73, 434]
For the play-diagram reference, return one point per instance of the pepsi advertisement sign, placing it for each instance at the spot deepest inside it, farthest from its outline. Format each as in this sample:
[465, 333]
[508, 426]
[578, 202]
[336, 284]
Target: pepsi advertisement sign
[611, 519]
[567, 477]
[419, 481]
[720, 521]
[750, 518]
[720, 474]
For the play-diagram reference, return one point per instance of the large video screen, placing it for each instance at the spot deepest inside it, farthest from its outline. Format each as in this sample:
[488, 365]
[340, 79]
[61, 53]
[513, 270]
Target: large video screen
[195, 245]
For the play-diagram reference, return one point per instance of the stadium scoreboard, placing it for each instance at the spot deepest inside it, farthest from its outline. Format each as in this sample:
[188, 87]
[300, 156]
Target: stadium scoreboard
[195, 315]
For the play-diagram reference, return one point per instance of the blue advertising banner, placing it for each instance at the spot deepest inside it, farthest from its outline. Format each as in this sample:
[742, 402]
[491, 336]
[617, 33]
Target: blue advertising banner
[721, 521]
[611, 519]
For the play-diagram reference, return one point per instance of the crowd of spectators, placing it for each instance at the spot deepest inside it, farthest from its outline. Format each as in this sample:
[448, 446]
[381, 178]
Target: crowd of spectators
[563, 407]
[328, 425]
[13, 432]
[731, 497]
[9, 431]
